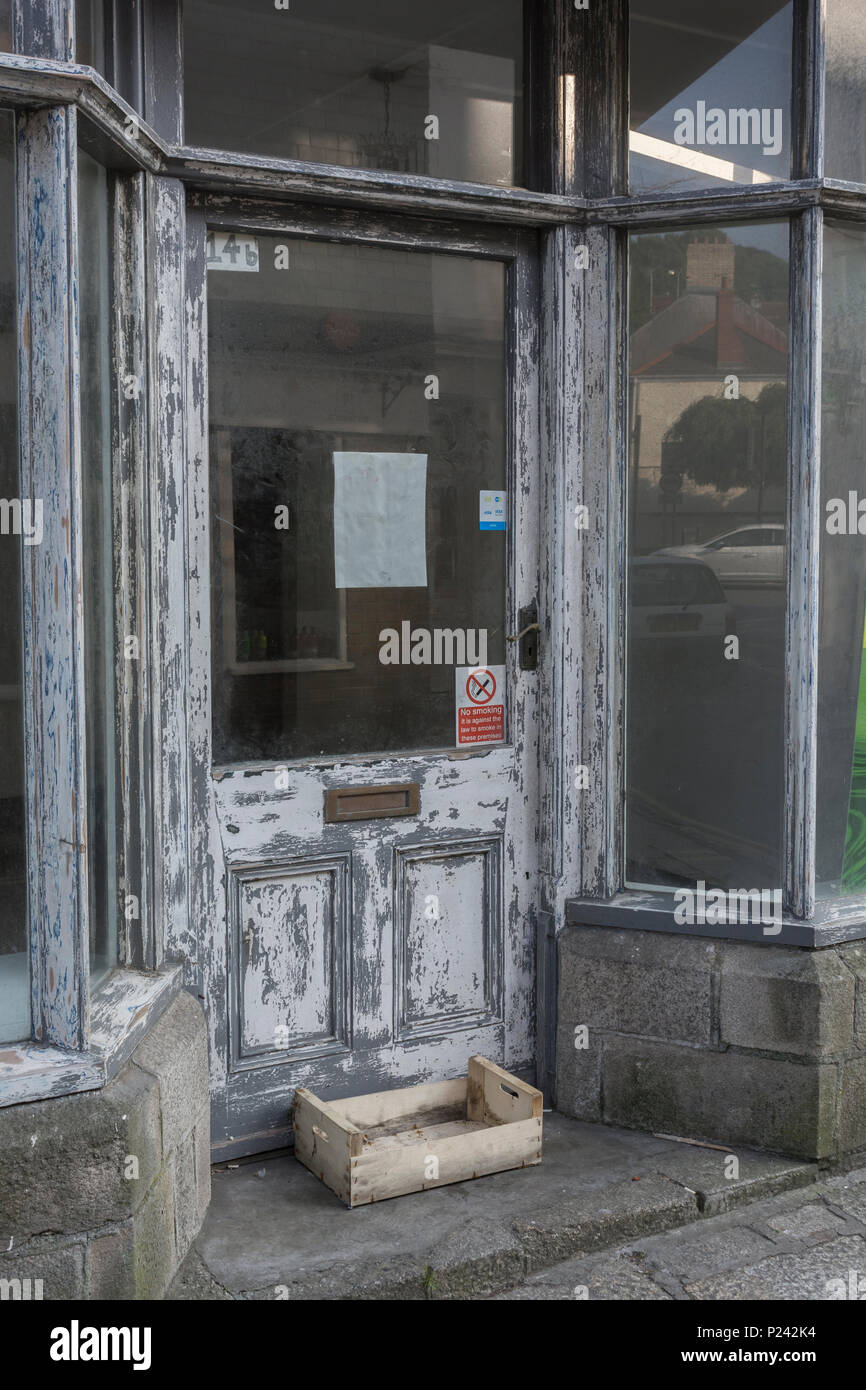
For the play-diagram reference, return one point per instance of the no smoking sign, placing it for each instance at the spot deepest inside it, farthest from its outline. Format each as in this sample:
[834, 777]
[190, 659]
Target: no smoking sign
[480, 692]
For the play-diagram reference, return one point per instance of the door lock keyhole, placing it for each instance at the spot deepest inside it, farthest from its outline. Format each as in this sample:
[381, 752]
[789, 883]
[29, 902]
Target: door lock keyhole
[527, 637]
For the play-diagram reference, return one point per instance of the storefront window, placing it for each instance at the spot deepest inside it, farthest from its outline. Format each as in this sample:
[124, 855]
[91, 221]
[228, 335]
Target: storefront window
[5, 26]
[710, 94]
[434, 90]
[94, 309]
[707, 511]
[358, 422]
[20, 526]
[841, 848]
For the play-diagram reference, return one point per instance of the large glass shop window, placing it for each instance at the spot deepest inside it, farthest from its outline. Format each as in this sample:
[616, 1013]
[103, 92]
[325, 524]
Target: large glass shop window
[95, 377]
[20, 527]
[357, 425]
[841, 820]
[710, 93]
[707, 508]
[373, 84]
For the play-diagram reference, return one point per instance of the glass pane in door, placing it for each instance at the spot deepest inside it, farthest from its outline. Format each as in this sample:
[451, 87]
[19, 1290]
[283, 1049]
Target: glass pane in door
[358, 461]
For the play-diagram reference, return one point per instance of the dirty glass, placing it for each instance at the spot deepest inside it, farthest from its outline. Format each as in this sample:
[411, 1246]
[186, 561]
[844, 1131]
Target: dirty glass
[845, 149]
[710, 93]
[381, 84]
[841, 817]
[707, 497]
[94, 319]
[20, 527]
[357, 427]
[5, 26]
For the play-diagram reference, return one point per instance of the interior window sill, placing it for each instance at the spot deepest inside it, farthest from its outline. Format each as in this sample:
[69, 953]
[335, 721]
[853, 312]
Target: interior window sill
[124, 1006]
[271, 668]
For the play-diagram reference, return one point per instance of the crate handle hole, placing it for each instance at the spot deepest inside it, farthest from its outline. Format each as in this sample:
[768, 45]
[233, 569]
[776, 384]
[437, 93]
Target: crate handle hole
[509, 1091]
[321, 1134]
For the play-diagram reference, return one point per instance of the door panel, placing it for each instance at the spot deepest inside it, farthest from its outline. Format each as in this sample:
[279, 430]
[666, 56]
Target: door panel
[289, 927]
[448, 936]
[368, 405]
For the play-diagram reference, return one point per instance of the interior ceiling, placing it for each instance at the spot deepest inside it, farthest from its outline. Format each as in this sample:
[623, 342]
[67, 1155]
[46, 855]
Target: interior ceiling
[675, 41]
[493, 26]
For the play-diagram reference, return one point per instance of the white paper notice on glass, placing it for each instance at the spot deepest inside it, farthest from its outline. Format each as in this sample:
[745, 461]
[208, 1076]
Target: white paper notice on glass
[380, 521]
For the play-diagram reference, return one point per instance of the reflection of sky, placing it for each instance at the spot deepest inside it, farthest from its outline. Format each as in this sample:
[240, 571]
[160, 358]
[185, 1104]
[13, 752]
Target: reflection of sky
[767, 236]
[755, 73]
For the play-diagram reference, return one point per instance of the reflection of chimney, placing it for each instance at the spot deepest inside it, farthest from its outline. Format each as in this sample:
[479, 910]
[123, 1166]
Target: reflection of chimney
[709, 262]
[729, 345]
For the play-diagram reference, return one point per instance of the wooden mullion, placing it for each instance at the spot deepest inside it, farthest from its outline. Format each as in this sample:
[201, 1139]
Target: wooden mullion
[808, 88]
[45, 28]
[803, 564]
[162, 40]
[53, 581]
[131, 538]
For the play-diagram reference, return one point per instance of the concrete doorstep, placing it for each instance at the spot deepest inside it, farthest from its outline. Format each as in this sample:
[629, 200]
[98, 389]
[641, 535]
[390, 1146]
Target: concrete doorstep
[274, 1231]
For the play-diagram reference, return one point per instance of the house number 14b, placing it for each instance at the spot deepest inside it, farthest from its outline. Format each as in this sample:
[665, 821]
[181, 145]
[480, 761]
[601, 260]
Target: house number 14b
[228, 251]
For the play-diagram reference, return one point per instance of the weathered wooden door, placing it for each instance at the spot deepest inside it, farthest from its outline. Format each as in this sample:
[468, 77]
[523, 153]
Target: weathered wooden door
[364, 510]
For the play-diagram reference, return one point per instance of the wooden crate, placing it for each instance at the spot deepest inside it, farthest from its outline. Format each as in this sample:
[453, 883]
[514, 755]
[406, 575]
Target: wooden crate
[373, 1147]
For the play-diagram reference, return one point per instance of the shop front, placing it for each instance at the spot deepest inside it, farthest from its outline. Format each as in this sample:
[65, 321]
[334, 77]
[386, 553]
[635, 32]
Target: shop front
[435, 585]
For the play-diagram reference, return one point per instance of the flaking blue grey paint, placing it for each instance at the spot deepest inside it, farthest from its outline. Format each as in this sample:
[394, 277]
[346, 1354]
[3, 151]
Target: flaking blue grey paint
[251, 828]
[169, 633]
[140, 946]
[422, 1004]
[126, 1006]
[209, 886]
[44, 28]
[560, 599]
[257, 847]
[52, 578]
[257, 966]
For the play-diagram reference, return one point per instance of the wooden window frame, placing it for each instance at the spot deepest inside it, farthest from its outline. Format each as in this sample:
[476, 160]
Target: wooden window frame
[80, 1035]
[803, 200]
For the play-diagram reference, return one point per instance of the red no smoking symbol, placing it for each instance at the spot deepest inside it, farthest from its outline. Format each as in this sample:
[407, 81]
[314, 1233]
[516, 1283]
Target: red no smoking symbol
[481, 687]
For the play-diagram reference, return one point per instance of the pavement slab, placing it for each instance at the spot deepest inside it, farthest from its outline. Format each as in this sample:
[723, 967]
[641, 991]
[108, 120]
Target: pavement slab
[799, 1246]
[274, 1231]
[814, 1274]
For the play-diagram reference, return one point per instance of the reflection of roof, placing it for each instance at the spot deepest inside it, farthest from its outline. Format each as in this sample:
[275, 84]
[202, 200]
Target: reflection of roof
[701, 331]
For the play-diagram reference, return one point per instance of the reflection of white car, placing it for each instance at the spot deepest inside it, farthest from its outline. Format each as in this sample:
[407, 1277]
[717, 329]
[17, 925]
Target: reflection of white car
[676, 597]
[750, 555]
